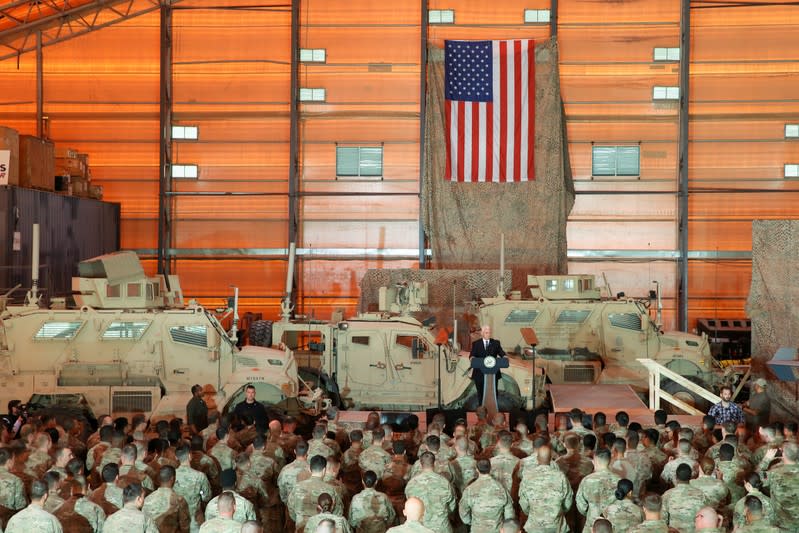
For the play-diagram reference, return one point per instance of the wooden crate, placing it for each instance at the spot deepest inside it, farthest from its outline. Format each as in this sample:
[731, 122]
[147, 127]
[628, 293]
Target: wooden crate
[9, 140]
[36, 163]
[70, 166]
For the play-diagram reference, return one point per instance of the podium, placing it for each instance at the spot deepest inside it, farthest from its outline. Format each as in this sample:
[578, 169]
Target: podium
[490, 367]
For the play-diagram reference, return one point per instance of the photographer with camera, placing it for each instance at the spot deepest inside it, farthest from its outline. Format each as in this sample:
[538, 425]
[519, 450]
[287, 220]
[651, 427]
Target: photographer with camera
[16, 417]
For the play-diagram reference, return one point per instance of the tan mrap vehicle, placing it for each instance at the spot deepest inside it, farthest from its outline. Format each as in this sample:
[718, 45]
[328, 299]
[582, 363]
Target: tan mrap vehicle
[131, 345]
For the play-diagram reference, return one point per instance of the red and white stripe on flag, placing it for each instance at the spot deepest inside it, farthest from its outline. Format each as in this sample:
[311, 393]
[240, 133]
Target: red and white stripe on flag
[494, 141]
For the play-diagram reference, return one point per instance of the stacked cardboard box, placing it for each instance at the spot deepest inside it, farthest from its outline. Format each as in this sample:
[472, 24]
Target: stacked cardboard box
[75, 175]
[9, 140]
[36, 163]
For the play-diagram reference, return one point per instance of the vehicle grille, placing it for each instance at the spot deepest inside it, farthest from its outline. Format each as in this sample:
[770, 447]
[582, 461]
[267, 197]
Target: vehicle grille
[579, 374]
[132, 401]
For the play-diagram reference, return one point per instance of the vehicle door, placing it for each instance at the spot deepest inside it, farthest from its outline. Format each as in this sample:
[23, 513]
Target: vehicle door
[624, 331]
[363, 365]
[414, 360]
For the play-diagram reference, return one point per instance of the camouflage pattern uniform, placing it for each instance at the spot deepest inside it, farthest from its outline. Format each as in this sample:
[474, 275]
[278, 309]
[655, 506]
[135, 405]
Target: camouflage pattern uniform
[670, 468]
[89, 510]
[595, 493]
[371, 512]
[642, 465]
[769, 517]
[54, 501]
[12, 491]
[287, 478]
[576, 467]
[128, 520]
[224, 454]
[111, 455]
[374, 458]
[760, 527]
[545, 495]
[107, 496]
[680, 506]
[411, 527]
[169, 511]
[130, 474]
[319, 447]
[465, 468]
[34, 518]
[651, 526]
[623, 514]
[438, 497]
[37, 464]
[732, 475]
[194, 487]
[485, 504]
[716, 492]
[209, 466]
[304, 496]
[341, 524]
[502, 467]
[783, 481]
[244, 509]
[221, 525]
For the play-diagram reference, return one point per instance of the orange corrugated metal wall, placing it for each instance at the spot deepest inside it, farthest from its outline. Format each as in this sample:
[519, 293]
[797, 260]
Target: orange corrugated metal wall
[231, 78]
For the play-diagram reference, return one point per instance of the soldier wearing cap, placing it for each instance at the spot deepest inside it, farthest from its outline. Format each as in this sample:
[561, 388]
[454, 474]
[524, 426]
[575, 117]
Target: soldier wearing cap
[758, 408]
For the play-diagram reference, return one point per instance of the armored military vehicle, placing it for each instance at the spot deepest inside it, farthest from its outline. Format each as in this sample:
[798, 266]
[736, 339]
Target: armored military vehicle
[130, 345]
[585, 338]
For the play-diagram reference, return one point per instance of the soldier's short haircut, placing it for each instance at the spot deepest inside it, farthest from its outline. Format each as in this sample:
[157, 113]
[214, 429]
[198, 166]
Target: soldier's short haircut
[505, 439]
[258, 442]
[589, 441]
[242, 460]
[632, 439]
[249, 386]
[356, 435]
[726, 452]
[334, 460]
[660, 416]
[317, 463]
[652, 502]
[369, 479]
[634, 426]
[378, 434]
[301, 448]
[730, 427]
[687, 434]
[38, 489]
[484, 466]
[427, 459]
[42, 439]
[753, 505]
[620, 445]
[790, 450]
[319, 431]
[166, 474]
[251, 526]
[130, 452]
[572, 441]
[221, 432]
[5, 456]
[182, 452]
[600, 419]
[684, 473]
[653, 435]
[538, 442]
[708, 465]
[120, 423]
[601, 525]
[685, 446]
[576, 415]
[608, 439]
[708, 422]
[326, 526]
[196, 443]
[110, 472]
[398, 447]
[602, 455]
[131, 492]
[622, 418]
[226, 502]
[138, 420]
[52, 478]
[433, 443]
[74, 466]
[792, 427]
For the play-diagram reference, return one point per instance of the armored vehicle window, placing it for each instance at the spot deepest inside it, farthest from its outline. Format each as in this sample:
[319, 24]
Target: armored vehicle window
[149, 288]
[195, 335]
[112, 291]
[568, 284]
[118, 330]
[58, 330]
[361, 340]
[521, 316]
[625, 320]
[409, 341]
[134, 289]
[570, 316]
[552, 285]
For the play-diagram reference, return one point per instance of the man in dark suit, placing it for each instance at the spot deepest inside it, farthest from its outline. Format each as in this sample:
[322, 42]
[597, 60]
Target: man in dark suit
[482, 347]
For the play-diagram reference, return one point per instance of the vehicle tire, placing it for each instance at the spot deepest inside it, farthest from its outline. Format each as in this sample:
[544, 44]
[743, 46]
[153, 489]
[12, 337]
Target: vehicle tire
[261, 333]
[675, 389]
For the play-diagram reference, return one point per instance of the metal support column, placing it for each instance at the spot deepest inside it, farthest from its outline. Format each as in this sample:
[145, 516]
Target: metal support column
[682, 197]
[553, 18]
[39, 86]
[165, 199]
[422, 119]
[294, 147]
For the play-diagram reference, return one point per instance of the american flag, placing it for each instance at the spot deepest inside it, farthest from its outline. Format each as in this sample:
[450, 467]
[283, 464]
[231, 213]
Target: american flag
[489, 103]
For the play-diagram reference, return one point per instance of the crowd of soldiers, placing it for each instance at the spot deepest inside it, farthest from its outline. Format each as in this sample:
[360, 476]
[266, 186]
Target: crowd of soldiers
[232, 474]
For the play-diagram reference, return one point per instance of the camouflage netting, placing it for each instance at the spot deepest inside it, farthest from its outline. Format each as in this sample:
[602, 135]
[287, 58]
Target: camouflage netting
[772, 299]
[467, 286]
[463, 221]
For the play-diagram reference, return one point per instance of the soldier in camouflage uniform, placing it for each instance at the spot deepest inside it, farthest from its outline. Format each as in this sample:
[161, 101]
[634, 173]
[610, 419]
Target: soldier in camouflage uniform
[288, 476]
[523, 443]
[371, 511]
[575, 465]
[413, 511]
[128, 473]
[641, 463]
[681, 503]
[375, 458]
[486, 503]
[166, 507]
[395, 478]
[435, 492]
[731, 473]
[596, 490]
[464, 465]
[224, 523]
[53, 480]
[716, 492]
[755, 521]
[783, 481]
[108, 495]
[34, 518]
[504, 463]
[319, 444]
[325, 505]
[545, 495]
[303, 499]
[350, 470]
[683, 457]
[708, 520]
[12, 492]
[653, 522]
[193, 486]
[754, 487]
[130, 518]
[78, 503]
[39, 460]
[244, 508]
[442, 466]
[623, 513]
[223, 453]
